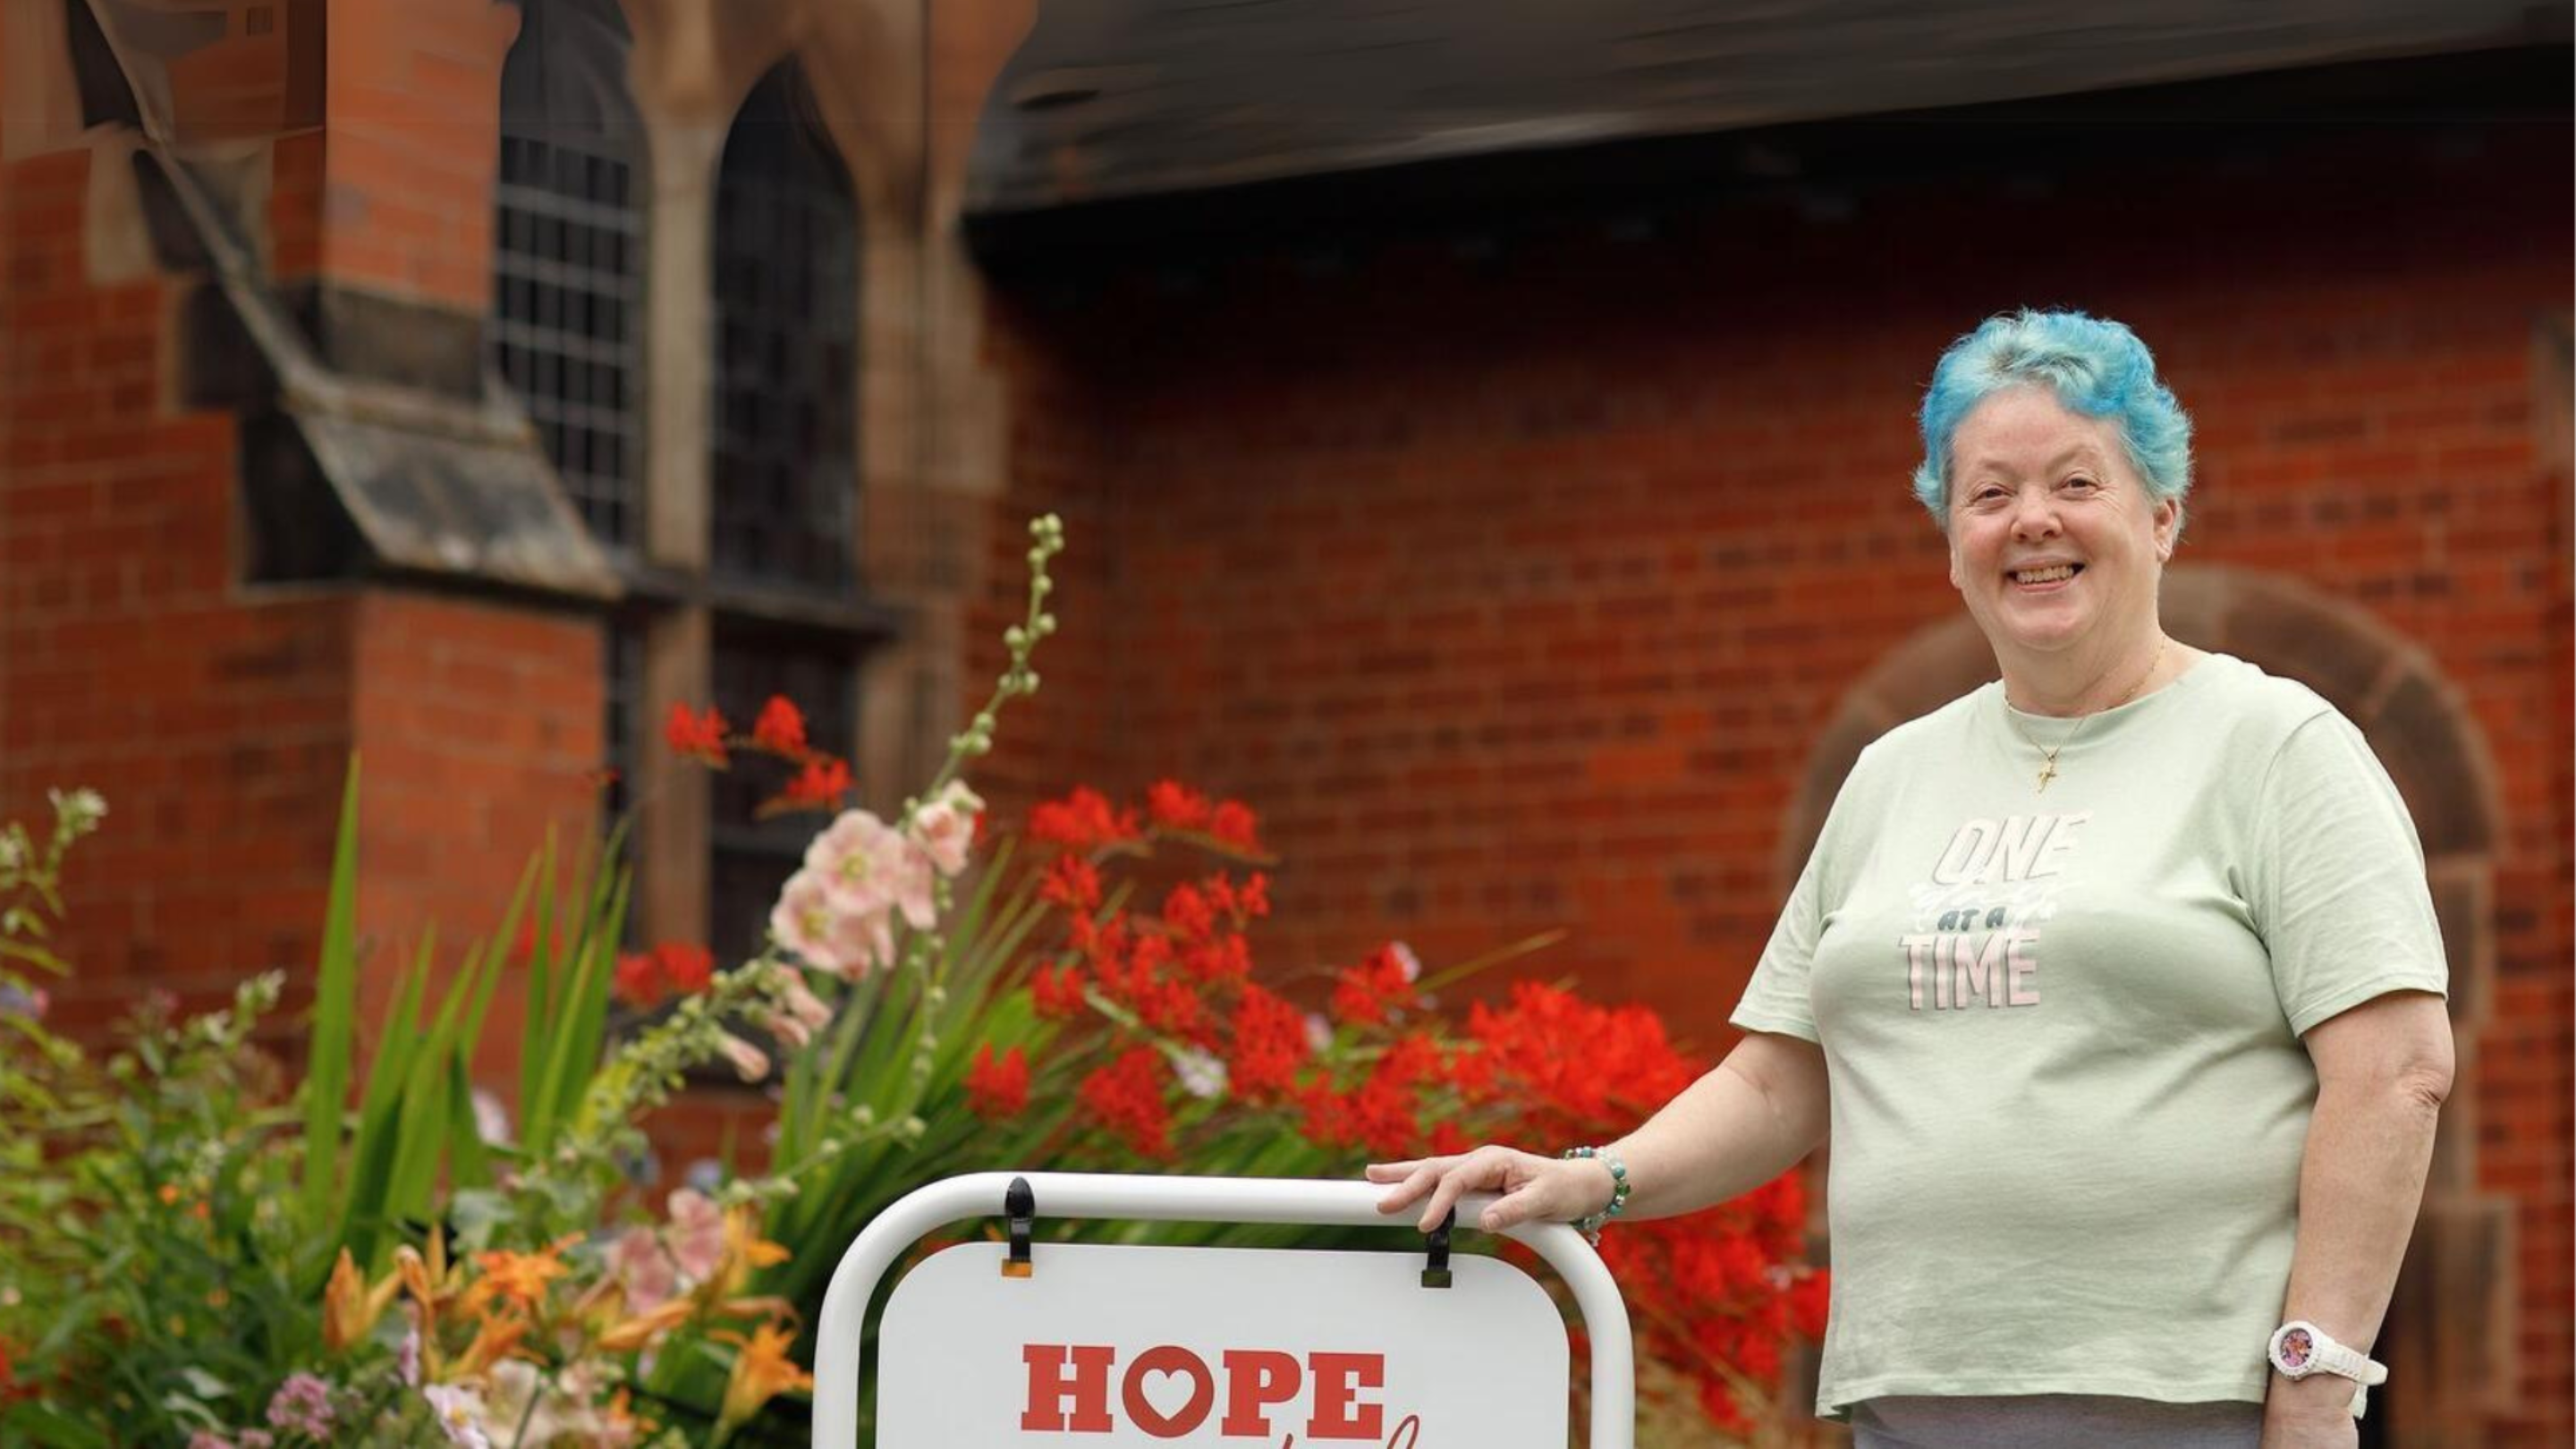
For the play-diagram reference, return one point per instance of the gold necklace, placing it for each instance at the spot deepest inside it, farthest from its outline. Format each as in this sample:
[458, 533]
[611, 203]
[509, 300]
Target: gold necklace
[2048, 758]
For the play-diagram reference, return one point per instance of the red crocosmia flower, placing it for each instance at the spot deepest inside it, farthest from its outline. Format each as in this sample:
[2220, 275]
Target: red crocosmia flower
[1808, 1296]
[1073, 883]
[638, 981]
[1448, 1139]
[1329, 1121]
[1177, 806]
[1126, 1096]
[1233, 825]
[1269, 1046]
[1414, 1058]
[1082, 820]
[819, 786]
[1367, 993]
[697, 736]
[1187, 914]
[780, 728]
[1056, 991]
[1383, 1116]
[1226, 958]
[687, 969]
[1471, 1070]
[1718, 1402]
[996, 1089]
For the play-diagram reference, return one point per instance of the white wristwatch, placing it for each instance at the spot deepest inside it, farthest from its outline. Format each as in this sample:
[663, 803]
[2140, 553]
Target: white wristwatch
[2300, 1348]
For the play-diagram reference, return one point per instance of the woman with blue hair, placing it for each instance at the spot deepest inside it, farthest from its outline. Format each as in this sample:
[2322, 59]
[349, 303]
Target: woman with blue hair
[2115, 983]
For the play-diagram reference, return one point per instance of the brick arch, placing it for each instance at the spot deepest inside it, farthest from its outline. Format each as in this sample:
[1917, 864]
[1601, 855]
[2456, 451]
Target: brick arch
[2458, 1268]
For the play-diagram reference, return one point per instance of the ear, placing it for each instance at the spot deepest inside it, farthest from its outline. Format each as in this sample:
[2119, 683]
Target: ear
[1950, 537]
[2165, 519]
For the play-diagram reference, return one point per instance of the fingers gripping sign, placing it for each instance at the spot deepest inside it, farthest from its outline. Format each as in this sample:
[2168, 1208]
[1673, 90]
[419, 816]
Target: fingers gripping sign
[1528, 1188]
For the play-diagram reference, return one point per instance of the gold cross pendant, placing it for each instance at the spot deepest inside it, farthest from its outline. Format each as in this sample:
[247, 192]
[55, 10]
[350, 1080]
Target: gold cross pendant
[2047, 772]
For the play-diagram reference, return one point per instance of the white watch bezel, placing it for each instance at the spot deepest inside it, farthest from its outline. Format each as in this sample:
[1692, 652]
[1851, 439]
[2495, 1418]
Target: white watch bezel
[2325, 1355]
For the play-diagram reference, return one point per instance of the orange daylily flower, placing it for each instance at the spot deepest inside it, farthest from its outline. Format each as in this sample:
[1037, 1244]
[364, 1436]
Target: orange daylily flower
[518, 1278]
[640, 1330]
[495, 1340]
[350, 1307]
[761, 1370]
[745, 1252]
[430, 1281]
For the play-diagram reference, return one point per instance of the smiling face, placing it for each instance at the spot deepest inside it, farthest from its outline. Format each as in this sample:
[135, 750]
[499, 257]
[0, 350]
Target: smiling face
[2055, 542]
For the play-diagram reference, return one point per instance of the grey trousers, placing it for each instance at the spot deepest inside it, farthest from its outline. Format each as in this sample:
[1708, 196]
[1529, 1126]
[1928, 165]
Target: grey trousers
[2053, 1421]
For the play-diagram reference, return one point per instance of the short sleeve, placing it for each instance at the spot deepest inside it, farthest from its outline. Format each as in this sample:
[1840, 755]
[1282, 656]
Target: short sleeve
[1776, 998]
[2339, 893]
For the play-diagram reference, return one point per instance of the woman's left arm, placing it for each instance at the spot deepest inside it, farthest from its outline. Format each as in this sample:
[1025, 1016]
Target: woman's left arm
[2383, 1068]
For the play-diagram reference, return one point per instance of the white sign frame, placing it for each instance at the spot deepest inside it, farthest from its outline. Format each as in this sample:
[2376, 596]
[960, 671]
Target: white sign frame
[1319, 1202]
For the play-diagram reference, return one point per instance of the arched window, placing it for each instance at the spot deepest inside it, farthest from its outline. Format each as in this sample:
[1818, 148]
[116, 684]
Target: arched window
[568, 255]
[784, 474]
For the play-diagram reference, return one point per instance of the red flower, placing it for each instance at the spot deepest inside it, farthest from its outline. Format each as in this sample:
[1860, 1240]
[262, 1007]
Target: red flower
[1367, 993]
[697, 736]
[1448, 1139]
[1073, 883]
[1057, 991]
[687, 969]
[1242, 903]
[1269, 1046]
[638, 981]
[1176, 805]
[1126, 1096]
[780, 728]
[1232, 824]
[1187, 914]
[1808, 1296]
[1081, 821]
[1328, 1116]
[998, 1089]
[819, 786]
[1227, 958]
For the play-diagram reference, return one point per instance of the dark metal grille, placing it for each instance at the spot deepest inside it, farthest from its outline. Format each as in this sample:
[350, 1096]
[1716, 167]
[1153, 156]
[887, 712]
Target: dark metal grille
[753, 858]
[568, 255]
[622, 681]
[785, 475]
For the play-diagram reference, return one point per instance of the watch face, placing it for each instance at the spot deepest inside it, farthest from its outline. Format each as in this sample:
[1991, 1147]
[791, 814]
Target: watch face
[2296, 1347]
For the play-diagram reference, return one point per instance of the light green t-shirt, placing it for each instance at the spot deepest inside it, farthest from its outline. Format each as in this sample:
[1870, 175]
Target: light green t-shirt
[2061, 1030]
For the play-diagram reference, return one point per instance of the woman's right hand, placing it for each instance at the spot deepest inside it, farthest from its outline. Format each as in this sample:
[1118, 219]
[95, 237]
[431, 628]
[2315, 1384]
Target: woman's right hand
[1530, 1188]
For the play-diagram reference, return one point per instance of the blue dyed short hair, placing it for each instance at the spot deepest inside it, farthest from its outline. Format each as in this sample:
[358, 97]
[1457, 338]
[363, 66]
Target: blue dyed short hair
[2095, 367]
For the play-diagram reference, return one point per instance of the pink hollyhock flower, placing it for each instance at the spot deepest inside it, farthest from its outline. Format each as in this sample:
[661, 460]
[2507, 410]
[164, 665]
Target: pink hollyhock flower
[645, 1269]
[812, 921]
[800, 1012]
[697, 1234]
[749, 1062]
[945, 828]
[869, 866]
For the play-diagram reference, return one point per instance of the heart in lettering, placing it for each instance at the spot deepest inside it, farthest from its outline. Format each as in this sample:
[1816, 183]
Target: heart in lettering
[1168, 1390]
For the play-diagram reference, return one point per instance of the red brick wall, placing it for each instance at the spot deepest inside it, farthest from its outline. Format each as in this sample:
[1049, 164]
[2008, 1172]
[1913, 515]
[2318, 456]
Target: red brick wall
[413, 137]
[477, 727]
[1515, 590]
[130, 661]
[218, 717]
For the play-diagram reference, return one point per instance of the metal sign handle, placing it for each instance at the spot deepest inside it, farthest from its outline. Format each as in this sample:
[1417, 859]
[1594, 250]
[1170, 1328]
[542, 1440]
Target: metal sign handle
[1317, 1202]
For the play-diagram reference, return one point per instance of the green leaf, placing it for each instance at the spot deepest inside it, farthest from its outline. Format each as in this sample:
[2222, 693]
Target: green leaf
[372, 1153]
[335, 1008]
[536, 1118]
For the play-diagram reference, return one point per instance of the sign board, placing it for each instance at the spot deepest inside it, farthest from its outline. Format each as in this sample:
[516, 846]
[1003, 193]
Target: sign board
[1108, 1346]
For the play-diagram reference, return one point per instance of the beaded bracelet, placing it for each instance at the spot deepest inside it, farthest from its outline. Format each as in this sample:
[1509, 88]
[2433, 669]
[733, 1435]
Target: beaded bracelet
[1591, 1227]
